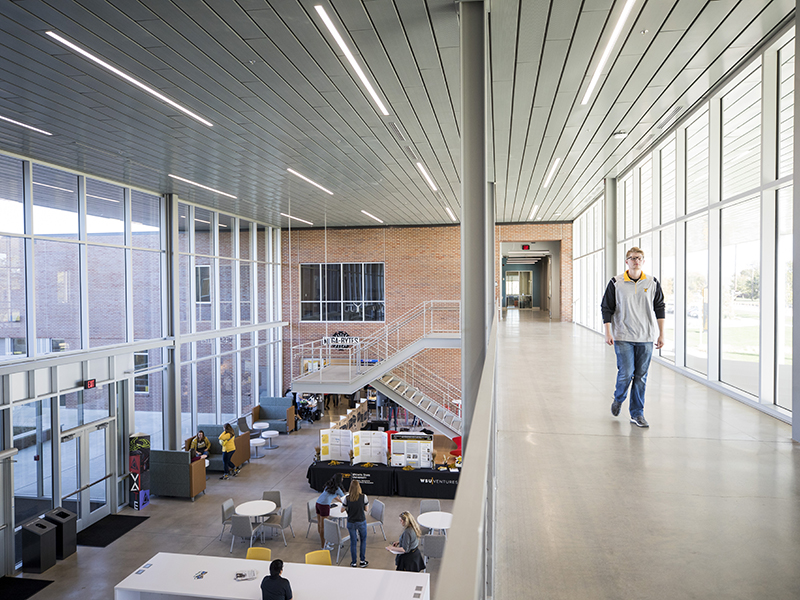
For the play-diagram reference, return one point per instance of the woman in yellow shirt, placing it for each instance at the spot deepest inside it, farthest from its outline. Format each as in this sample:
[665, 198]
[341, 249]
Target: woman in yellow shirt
[228, 442]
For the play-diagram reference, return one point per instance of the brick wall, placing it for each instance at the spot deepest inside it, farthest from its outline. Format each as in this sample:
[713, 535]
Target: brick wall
[421, 264]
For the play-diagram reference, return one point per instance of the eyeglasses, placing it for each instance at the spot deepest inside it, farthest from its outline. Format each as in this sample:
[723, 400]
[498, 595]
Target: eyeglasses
[636, 258]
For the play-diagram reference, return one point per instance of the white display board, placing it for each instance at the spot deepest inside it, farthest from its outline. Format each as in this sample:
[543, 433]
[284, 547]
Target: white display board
[369, 447]
[412, 450]
[335, 444]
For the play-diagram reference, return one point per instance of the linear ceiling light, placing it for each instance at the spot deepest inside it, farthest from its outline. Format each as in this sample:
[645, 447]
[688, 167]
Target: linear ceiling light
[427, 177]
[101, 198]
[552, 172]
[200, 185]
[55, 187]
[533, 212]
[450, 212]
[128, 78]
[296, 219]
[339, 40]
[372, 216]
[607, 52]
[25, 126]
[314, 183]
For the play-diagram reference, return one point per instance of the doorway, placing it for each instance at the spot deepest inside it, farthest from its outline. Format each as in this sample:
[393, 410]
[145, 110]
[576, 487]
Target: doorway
[87, 472]
[519, 289]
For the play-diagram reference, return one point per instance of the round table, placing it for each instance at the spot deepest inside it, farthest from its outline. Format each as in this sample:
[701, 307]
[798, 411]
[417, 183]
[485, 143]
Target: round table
[260, 425]
[257, 442]
[268, 435]
[338, 512]
[436, 520]
[256, 509]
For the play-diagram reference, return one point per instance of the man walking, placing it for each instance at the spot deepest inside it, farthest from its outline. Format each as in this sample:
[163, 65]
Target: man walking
[633, 314]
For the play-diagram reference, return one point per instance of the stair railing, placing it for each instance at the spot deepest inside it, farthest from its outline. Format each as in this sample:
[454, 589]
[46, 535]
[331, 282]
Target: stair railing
[431, 385]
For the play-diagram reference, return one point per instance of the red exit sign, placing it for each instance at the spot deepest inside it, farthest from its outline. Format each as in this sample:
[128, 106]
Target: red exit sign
[526, 246]
[90, 384]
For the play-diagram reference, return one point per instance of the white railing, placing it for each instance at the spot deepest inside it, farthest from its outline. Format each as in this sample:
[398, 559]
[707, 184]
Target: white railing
[434, 387]
[466, 572]
[435, 317]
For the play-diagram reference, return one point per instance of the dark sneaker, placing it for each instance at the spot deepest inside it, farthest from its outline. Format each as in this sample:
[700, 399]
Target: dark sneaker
[353, 564]
[224, 477]
[363, 563]
[640, 421]
[615, 408]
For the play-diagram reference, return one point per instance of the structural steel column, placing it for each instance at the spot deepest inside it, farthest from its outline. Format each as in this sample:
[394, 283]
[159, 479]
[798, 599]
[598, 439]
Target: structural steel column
[610, 229]
[172, 403]
[795, 261]
[473, 215]
[490, 258]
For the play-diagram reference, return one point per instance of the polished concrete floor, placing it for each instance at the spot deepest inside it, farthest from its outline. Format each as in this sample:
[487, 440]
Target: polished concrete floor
[703, 504]
[193, 527]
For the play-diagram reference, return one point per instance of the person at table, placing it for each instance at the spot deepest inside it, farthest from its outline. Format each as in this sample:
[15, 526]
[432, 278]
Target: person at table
[332, 491]
[201, 445]
[411, 558]
[228, 440]
[356, 503]
[273, 586]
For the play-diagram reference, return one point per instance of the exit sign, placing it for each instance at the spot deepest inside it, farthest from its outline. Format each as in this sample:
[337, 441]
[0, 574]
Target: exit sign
[526, 246]
[90, 384]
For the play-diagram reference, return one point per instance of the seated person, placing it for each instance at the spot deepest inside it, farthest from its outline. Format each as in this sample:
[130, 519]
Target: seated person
[201, 445]
[273, 586]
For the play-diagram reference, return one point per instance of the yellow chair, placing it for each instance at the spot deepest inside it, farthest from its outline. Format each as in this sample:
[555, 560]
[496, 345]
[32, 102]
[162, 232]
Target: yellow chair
[259, 554]
[319, 557]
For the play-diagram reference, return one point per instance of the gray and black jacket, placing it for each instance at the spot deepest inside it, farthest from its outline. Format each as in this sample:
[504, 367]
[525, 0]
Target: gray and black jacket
[633, 307]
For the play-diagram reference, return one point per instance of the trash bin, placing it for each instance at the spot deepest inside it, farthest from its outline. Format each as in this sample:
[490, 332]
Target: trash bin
[38, 546]
[66, 523]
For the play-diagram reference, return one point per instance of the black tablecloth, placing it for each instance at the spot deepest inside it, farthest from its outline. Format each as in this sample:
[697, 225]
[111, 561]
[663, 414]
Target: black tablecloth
[377, 481]
[426, 483]
[388, 481]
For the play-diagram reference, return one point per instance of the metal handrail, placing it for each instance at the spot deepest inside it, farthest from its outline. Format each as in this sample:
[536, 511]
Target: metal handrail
[87, 486]
[434, 387]
[429, 318]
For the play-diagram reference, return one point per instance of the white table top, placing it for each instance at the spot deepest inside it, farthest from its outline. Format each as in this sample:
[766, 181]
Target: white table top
[338, 511]
[172, 576]
[257, 442]
[269, 433]
[255, 508]
[260, 425]
[435, 519]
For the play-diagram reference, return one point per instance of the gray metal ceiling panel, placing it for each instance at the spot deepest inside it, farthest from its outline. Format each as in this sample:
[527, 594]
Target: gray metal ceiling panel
[562, 21]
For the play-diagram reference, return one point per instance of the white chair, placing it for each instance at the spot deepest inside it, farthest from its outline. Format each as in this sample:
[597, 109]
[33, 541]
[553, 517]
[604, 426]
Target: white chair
[432, 546]
[242, 527]
[281, 521]
[375, 516]
[333, 536]
[227, 513]
[311, 508]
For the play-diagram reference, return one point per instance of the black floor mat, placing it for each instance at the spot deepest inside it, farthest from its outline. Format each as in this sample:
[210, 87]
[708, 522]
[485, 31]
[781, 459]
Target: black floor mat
[108, 529]
[21, 589]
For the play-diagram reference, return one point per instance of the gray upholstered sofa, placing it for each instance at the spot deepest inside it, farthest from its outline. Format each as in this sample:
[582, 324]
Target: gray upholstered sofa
[278, 412]
[213, 432]
[172, 473]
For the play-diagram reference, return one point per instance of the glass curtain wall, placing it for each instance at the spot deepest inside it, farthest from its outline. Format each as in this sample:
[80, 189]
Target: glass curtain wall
[712, 205]
[229, 272]
[589, 266]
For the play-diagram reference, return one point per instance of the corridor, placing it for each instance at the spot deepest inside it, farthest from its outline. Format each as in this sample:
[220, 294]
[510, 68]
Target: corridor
[703, 504]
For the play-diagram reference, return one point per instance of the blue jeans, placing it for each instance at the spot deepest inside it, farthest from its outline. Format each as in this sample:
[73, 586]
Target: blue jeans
[633, 360]
[361, 529]
[227, 463]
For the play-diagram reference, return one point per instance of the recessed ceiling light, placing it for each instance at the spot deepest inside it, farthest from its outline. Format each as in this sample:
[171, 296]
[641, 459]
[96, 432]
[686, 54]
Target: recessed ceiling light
[314, 183]
[25, 126]
[533, 211]
[372, 216]
[200, 185]
[427, 177]
[619, 135]
[552, 172]
[128, 78]
[607, 52]
[356, 67]
[296, 219]
[450, 213]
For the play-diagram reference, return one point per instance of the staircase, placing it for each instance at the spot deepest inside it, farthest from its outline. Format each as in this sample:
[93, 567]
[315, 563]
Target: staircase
[442, 413]
[385, 361]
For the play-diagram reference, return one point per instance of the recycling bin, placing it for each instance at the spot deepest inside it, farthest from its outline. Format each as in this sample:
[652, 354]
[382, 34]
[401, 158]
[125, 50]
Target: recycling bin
[66, 523]
[38, 546]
